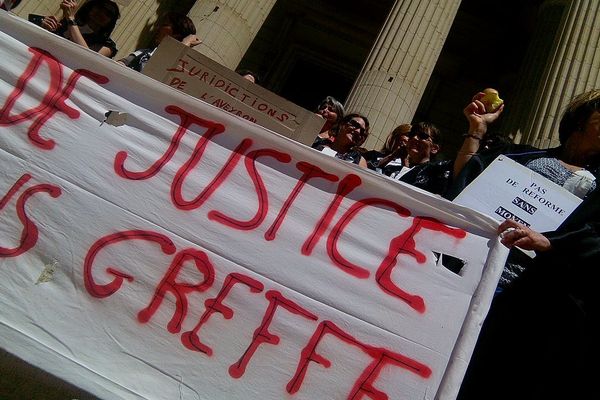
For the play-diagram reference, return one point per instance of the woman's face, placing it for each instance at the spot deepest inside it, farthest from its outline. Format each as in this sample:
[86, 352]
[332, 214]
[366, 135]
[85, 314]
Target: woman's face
[352, 133]
[421, 147]
[591, 133]
[98, 19]
[327, 111]
[163, 29]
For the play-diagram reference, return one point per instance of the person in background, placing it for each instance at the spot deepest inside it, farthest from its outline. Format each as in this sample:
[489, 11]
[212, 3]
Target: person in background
[176, 25]
[90, 27]
[9, 4]
[574, 165]
[540, 339]
[249, 75]
[422, 169]
[332, 111]
[352, 131]
[393, 154]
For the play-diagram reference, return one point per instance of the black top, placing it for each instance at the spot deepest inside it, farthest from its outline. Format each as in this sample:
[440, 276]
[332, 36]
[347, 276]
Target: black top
[517, 152]
[541, 337]
[353, 155]
[94, 41]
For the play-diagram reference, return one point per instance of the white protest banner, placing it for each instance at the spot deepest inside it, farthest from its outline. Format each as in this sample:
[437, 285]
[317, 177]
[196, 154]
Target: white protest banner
[509, 190]
[186, 69]
[177, 251]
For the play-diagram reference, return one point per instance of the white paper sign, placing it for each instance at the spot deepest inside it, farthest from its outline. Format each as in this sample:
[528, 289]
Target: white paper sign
[181, 252]
[508, 190]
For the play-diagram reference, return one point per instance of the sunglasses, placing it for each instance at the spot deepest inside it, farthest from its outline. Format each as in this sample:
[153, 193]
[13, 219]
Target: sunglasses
[327, 107]
[354, 124]
[420, 136]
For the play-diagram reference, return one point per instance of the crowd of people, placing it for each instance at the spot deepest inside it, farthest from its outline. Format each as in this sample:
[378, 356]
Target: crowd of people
[539, 340]
[91, 26]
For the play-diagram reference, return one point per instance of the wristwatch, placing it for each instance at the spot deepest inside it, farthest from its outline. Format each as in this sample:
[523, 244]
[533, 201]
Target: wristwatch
[71, 22]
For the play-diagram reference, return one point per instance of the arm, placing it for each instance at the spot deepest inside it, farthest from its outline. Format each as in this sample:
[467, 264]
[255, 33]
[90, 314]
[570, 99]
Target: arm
[363, 162]
[399, 152]
[68, 8]
[478, 123]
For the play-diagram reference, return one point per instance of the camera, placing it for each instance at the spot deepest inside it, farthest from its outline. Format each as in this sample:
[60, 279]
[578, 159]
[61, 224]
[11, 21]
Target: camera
[35, 19]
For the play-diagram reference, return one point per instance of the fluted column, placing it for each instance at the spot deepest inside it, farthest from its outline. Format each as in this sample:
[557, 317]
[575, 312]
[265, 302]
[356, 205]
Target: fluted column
[228, 32]
[133, 30]
[40, 7]
[572, 67]
[398, 68]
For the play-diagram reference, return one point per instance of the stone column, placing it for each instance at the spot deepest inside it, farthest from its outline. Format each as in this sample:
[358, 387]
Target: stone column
[398, 68]
[40, 7]
[228, 32]
[571, 67]
[133, 30]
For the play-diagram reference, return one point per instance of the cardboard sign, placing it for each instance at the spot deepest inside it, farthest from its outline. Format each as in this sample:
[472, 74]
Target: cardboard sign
[197, 75]
[508, 190]
[153, 246]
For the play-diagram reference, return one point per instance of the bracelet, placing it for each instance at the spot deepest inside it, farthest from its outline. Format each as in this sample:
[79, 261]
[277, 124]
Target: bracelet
[471, 135]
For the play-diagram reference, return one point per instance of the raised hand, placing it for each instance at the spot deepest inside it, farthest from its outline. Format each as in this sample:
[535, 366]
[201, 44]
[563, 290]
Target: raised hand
[478, 117]
[68, 8]
[50, 23]
[191, 40]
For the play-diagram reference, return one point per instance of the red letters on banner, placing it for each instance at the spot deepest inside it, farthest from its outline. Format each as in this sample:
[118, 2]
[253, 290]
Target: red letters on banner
[262, 334]
[364, 385]
[29, 235]
[403, 244]
[400, 246]
[52, 102]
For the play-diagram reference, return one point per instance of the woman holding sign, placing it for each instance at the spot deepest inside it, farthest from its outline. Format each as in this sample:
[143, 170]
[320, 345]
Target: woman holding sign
[541, 337]
[574, 165]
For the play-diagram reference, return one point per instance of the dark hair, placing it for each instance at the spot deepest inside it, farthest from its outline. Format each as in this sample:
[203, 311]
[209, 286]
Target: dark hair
[181, 24]
[577, 113]
[347, 119]
[391, 142]
[13, 5]
[243, 72]
[430, 129]
[337, 106]
[109, 7]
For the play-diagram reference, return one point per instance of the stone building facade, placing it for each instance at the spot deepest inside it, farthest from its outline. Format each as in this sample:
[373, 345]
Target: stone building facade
[396, 61]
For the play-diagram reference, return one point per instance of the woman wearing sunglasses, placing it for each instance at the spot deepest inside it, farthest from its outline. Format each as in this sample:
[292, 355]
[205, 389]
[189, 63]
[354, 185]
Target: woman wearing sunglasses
[421, 169]
[351, 133]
